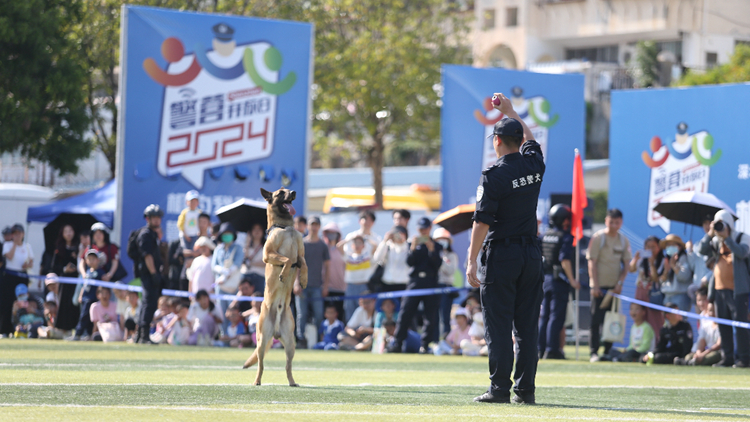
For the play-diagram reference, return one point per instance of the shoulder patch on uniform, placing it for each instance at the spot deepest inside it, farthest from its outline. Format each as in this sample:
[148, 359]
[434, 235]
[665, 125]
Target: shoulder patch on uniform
[480, 192]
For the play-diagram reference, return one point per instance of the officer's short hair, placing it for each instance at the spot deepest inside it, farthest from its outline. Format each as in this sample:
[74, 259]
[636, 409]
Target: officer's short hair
[511, 141]
[614, 213]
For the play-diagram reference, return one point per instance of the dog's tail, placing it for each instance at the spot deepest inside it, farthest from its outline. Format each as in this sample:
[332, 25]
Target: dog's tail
[252, 360]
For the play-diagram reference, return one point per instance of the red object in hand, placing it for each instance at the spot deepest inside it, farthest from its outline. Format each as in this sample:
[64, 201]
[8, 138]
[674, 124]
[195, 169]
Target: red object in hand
[496, 100]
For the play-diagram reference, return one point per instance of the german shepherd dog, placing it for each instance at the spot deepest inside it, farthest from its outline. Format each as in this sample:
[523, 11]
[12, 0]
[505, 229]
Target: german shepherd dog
[283, 253]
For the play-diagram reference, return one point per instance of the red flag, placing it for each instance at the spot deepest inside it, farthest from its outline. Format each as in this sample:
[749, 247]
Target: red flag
[579, 201]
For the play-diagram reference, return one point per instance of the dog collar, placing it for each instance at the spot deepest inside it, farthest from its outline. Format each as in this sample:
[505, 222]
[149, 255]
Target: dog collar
[275, 226]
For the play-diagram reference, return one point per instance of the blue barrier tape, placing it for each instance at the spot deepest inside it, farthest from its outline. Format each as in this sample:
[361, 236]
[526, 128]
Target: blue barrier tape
[690, 315]
[180, 293]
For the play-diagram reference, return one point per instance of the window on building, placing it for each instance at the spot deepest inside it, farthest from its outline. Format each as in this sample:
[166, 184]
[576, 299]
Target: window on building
[488, 19]
[711, 59]
[511, 17]
[606, 54]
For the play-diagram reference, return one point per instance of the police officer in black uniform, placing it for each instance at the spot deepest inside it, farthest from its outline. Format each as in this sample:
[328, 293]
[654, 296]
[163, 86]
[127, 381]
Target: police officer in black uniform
[511, 292]
[149, 267]
[558, 253]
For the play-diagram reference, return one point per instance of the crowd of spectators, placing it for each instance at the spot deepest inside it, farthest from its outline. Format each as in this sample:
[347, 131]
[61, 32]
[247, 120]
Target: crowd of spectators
[712, 275]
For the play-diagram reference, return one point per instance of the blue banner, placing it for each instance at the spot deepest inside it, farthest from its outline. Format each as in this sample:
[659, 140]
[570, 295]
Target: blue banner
[669, 140]
[213, 103]
[551, 105]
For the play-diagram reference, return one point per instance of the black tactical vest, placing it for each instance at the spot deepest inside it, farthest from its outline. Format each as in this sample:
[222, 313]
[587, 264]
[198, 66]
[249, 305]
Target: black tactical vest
[551, 245]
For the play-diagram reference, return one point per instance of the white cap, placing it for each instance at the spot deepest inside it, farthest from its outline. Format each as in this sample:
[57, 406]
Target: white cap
[462, 311]
[193, 194]
[726, 217]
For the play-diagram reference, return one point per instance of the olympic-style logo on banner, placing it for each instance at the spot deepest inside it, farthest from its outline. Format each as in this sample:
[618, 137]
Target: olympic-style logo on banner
[219, 104]
[683, 164]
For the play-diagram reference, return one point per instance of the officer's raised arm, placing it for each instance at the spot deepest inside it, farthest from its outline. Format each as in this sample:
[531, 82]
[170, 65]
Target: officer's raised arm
[506, 107]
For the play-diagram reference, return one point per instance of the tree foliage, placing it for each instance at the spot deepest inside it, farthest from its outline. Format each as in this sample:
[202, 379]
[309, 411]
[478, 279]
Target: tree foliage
[42, 109]
[737, 70]
[646, 70]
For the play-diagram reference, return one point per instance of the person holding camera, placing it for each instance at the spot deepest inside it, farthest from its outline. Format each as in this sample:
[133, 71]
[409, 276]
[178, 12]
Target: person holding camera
[149, 268]
[730, 287]
[425, 260]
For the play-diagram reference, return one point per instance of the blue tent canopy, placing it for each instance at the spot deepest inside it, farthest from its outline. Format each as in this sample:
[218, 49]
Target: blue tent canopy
[100, 203]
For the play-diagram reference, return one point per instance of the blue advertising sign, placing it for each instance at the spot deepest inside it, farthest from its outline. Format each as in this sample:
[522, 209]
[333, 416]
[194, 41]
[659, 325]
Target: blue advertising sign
[213, 103]
[669, 140]
[551, 105]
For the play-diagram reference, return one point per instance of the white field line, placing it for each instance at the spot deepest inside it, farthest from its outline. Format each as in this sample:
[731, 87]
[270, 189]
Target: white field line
[365, 385]
[220, 367]
[362, 413]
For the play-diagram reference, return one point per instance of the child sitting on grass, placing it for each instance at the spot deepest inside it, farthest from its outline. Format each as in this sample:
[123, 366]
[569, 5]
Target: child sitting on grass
[460, 332]
[104, 316]
[329, 330]
[641, 338]
[707, 349]
[26, 315]
[413, 340]
[168, 313]
[235, 329]
[130, 320]
[180, 328]
[476, 345]
[50, 317]
[387, 311]
[358, 332]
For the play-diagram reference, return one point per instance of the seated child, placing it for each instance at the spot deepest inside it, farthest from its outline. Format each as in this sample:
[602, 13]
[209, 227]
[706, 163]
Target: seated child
[387, 311]
[252, 315]
[358, 332]
[235, 329]
[641, 338]
[130, 323]
[707, 350]
[179, 327]
[329, 330]
[206, 318]
[675, 340]
[104, 317]
[167, 313]
[26, 315]
[413, 340]
[163, 310]
[476, 345]
[50, 316]
[460, 332]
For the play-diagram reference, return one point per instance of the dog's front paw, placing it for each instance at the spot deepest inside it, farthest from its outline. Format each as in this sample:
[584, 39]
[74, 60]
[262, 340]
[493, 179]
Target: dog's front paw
[294, 385]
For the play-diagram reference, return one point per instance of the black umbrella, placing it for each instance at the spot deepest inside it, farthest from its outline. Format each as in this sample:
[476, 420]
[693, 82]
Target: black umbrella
[691, 207]
[79, 222]
[243, 214]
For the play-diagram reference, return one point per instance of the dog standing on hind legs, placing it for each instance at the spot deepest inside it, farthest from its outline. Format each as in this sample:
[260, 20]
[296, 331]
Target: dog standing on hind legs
[283, 253]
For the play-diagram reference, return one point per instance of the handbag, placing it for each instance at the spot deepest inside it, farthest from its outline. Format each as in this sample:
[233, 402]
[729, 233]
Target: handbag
[232, 281]
[120, 272]
[614, 324]
[375, 283]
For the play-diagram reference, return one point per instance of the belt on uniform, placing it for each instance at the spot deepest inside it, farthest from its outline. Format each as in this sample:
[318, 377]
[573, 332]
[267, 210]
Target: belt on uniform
[521, 240]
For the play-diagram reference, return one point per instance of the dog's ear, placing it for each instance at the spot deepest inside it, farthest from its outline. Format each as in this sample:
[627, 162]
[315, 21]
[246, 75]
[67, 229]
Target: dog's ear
[268, 196]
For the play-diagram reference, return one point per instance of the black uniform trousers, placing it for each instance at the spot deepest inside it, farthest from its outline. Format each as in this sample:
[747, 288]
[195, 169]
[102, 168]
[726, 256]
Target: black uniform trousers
[554, 308]
[511, 295]
[151, 293]
[8, 285]
[735, 308]
[597, 320]
[409, 306]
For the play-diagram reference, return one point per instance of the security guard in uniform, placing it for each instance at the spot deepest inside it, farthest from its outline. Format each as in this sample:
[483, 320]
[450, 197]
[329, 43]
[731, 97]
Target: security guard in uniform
[149, 268]
[558, 254]
[511, 292]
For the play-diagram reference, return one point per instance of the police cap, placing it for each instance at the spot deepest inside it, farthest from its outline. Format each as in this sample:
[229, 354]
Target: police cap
[508, 127]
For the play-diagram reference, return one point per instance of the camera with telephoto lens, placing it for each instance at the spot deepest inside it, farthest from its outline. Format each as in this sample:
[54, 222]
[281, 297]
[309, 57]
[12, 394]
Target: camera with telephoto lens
[719, 226]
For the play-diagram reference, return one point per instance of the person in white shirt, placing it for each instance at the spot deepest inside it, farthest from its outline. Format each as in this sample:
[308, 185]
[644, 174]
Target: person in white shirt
[206, 318]
[358, 332]
[201, 274]
[392, 253]
[19, 257]
[358, 270]
[366, 221]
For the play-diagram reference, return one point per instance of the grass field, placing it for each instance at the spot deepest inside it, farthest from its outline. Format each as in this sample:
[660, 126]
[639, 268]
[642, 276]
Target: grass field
[59, 381]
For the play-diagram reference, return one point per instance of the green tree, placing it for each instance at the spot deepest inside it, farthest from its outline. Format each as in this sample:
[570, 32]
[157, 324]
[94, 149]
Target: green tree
[737, 70]
[42, 110]
[646, 69]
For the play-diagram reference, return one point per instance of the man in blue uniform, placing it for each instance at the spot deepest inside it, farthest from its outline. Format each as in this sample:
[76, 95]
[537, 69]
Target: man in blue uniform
[511, 292]
[558, 253]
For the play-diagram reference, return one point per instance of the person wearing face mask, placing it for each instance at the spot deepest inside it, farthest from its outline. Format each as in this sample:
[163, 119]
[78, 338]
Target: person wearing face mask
[226, 263]
[677, 276]
[446, 277]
